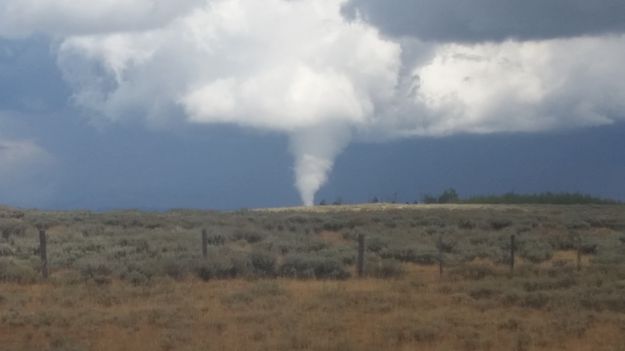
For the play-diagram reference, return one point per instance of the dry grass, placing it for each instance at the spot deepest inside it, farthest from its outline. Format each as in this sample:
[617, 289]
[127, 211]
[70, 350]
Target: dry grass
[418, 312]
[334, 238]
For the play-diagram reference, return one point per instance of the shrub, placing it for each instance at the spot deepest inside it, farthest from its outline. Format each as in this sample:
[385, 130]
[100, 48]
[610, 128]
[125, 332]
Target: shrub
[250, 236]
[6, 250]
[12, 227]
[414, 255]
[172, 267]
[563, 241]
[216, 239]
[376, 244]
[466, 224]
[534, 300]
[536, 251]
[137, 278]
[333, 225]
[263, 264]
[16, 272]
[609, 257]
[479, 293]
[499, 224]
[223, 266]
[588, 249]
[96, 270]
[446, 246]
[308, 266]
[388, 268]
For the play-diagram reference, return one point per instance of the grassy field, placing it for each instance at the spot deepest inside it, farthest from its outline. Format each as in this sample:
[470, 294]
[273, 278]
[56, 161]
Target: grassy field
[283, 279]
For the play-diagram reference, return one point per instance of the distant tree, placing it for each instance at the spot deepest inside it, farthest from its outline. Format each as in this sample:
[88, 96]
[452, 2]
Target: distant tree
[338, 201]
[429, 199]
[375, 200]
[448, 196]
[323, 202]
[541, 198]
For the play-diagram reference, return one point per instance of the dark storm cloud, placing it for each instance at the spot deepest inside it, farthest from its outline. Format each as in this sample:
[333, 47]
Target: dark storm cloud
[491, 20]
[29, 78]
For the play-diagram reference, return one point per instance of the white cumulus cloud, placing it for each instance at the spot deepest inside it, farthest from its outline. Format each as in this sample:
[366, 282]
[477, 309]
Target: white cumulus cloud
[521, 86]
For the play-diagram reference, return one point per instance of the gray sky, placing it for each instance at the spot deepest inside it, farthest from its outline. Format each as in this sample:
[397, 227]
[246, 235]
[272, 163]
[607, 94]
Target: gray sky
[227, 104]
[495, 20]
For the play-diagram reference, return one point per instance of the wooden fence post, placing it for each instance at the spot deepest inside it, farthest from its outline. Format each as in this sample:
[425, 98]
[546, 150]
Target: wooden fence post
[361, 255]
[579, 254]
[512, 249]
[43, 253]
[204, 243]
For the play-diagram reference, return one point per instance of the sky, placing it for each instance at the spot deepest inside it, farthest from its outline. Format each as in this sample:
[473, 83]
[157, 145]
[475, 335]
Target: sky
[228, 104]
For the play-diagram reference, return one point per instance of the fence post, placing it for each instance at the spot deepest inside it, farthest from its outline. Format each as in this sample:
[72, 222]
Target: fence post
[440, 256]
[512, 249]
[361, 255]
[204, 243]
[579, 254]
[43, 253]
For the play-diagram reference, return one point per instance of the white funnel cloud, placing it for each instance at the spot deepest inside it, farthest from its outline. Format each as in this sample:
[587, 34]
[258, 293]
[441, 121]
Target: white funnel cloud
[315, 150]
[311, 172]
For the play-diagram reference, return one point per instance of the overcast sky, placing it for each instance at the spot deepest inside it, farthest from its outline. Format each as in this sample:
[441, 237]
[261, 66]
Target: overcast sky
[239, 103]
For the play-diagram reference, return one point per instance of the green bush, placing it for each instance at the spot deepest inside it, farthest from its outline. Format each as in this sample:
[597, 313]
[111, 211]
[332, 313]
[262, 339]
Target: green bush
[500, 223]
[222, 266]
[137, 278]
[12, 271]
[216, 239]
[376, 244]
[6, 250]
[536, 300]
[175, 268]
[250, 236]
[411, 254]
[12, 227]
[385, 269]
[98, 271]
[536, 251]
[263, 264]
[309, 266]
[333, 225]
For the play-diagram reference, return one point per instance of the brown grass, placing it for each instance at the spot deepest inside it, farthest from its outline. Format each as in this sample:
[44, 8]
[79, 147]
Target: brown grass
[334, 238]
[418, 312]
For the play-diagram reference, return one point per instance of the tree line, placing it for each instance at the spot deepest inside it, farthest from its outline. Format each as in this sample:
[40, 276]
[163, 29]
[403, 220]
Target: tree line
[450, 196]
